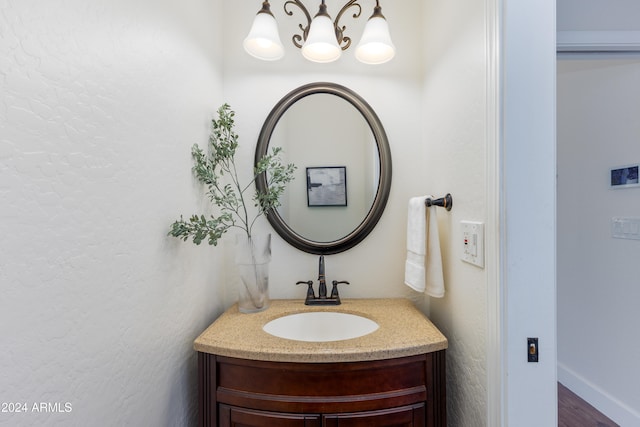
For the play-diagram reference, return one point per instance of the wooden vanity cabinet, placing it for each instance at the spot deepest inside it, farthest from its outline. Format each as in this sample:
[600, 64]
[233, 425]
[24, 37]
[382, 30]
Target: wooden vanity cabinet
[400, 392]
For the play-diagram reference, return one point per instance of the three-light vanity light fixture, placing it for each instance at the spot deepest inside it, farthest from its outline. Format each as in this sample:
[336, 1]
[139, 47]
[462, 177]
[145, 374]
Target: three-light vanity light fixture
[322, 39]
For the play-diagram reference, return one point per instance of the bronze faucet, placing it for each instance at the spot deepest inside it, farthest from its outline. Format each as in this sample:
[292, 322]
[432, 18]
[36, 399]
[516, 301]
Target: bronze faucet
[322, 298]
[322, 287]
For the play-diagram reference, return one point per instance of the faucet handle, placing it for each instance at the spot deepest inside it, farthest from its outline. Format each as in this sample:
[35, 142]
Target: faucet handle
[334, 290]
[309, 283]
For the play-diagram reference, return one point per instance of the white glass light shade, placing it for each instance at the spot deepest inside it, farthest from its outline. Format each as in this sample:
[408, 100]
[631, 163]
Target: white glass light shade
[321, 44]
[263, 41]
[376, 46]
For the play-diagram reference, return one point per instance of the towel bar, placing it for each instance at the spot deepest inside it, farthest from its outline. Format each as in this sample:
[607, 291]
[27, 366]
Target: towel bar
[446, 202]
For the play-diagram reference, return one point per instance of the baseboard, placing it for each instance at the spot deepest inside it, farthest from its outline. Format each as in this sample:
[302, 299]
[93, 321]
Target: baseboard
[598, 398]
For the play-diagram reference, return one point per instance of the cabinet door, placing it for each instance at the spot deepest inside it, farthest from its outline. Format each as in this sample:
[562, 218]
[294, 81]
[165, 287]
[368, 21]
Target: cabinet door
[240, 417]
[407, 416]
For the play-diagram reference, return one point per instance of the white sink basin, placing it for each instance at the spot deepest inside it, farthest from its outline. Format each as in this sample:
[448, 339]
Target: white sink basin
[320, 326]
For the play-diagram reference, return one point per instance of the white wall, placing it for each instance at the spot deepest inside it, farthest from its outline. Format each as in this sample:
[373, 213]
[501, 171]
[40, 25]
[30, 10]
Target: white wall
[528, 184]
[340, 137]
[253, 87]
[489, 138]
[598, 25]
[433, 108]
[598, 15]
[454, 151]
[596, 131]
[100, 103]
[598, 275]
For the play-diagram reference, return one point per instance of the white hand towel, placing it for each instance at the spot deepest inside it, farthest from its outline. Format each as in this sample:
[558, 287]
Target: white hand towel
[414, 273]
[423, 267]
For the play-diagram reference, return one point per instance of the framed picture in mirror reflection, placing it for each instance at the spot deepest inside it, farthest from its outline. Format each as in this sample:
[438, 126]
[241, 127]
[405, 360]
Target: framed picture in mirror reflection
[327, 186]
[624, 176]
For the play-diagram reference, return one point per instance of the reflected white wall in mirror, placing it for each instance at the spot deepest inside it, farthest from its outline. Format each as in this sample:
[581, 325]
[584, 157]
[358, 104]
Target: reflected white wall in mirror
[337, 135]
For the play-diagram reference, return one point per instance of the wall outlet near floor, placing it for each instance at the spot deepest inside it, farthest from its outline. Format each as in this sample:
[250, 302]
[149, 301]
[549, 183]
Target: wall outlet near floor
[473, 242]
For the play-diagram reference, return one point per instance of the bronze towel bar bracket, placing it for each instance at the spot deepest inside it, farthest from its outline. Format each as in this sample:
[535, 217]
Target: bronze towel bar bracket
[446, 202]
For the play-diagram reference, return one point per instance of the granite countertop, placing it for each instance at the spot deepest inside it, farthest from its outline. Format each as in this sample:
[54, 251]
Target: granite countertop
[404, 331]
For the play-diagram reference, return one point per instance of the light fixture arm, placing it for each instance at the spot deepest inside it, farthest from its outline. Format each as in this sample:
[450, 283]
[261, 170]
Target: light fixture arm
[340, 30]
[298, 39]
[343, 41]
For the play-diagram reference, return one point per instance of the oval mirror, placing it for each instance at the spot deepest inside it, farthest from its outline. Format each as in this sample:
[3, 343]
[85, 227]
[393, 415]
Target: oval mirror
[343, 160]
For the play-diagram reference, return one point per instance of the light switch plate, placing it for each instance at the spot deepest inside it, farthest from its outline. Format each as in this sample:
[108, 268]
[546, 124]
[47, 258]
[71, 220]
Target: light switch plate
[473, 242]
[625, 228]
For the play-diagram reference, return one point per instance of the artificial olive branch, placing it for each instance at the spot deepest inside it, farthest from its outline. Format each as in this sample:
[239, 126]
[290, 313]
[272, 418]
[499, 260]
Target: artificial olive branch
[216, 169]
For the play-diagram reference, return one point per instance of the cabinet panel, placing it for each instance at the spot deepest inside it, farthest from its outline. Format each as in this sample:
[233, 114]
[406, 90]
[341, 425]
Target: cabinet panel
[241, 417]
[412, 416]
[403, 392]
[322, 388]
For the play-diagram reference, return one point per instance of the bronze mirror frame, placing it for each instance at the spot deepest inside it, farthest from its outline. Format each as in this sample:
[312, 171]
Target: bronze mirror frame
[384, 183]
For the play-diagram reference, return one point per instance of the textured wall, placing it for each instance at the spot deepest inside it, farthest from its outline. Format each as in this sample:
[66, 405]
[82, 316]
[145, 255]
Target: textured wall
[100, 103]
[454, 146]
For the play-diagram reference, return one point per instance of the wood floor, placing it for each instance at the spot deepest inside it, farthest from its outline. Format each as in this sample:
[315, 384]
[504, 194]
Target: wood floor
[575, 412]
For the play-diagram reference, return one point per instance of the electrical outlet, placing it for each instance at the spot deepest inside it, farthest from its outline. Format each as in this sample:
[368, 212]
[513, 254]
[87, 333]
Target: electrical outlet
[473, 242]
[532, 350]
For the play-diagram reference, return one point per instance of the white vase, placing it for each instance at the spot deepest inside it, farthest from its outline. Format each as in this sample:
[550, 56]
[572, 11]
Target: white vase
[252, 256]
